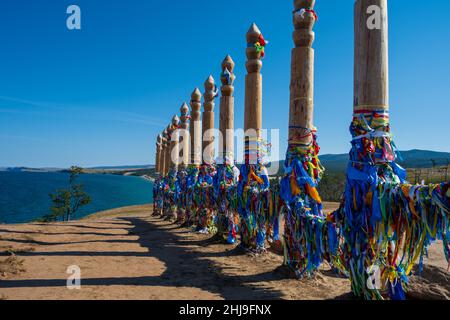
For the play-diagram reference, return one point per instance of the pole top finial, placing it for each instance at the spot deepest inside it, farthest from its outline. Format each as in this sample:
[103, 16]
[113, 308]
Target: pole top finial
[254, 29]
[228, 63]
[209, 83]
[253, 33]
[184, 108]
[196, 95]
[175, 120]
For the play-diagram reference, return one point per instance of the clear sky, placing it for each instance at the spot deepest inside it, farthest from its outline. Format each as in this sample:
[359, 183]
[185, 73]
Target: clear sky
[99, 96]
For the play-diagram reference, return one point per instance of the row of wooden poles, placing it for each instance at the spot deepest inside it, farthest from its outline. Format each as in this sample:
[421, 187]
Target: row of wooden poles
[371, 96]
[198, 147]
[371, 90]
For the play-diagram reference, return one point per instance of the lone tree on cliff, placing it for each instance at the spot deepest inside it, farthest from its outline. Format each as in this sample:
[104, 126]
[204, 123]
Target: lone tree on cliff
[66, 202]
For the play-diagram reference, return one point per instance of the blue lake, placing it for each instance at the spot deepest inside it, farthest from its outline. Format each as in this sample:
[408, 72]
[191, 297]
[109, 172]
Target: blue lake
[24, 195]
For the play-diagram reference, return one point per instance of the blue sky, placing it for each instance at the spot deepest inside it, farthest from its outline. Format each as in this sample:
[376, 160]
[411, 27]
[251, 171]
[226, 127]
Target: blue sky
[100, 96]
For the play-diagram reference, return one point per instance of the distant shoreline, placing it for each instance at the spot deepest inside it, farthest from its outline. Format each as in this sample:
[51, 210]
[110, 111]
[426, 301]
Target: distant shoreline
[98, 215]
[20, 204]
[117, 211]
[148, 178]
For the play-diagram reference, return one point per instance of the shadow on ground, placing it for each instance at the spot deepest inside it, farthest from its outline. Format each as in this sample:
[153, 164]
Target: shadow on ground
[185, 267]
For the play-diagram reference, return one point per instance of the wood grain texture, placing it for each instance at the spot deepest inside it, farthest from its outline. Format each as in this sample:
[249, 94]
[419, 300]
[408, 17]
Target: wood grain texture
[253, 92]
[208, 121]
[195, 128]
[162, 163]
[174, 144]
[301, 109]
[184, 138]
[226, 123]
[371, 80]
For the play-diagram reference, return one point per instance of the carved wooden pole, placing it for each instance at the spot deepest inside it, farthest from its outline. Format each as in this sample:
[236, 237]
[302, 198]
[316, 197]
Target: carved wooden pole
[164, 165]
[156, 157]
[163, 153]
[253, 96]
[206, 206]
[226, 215]
[254, 184]
[195, 128]
[184, 110]
[167, 154]
[174, 160]
[226, 125]
[182, 172]
[375, 231]
[158, 154]
[208, 121]
[371, 82]
[174, 144]
[302, 75]
[159, 190]
[304, 216]
[371, 152]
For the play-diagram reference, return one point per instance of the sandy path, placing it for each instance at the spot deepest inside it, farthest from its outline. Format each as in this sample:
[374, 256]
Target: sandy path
[126, 254]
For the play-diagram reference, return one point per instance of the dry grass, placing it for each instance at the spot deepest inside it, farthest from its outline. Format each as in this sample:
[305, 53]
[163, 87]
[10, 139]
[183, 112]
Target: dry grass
[11, 250]
[120, 212]
[429, 175]
[11, 265]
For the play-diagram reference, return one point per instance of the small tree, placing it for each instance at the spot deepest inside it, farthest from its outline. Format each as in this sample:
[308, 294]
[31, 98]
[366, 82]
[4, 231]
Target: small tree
[66, 202]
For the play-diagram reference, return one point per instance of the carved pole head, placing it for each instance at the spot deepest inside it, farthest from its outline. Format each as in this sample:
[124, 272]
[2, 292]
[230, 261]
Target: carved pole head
[255, 49]
[196, 98]
[169, 133]
[196, 95]
[175, 122]
[209, 83]
[210, 93]
[195, 128]
[304, 18]
[184, 111]
[227, 77]
[228, 63]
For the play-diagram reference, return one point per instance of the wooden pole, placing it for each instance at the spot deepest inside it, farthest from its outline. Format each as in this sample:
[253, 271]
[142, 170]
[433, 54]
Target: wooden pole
[208, 121]
[168, 151]
[226, 125]
[371, 78]
[371, 149]
[302, 75]
[156, 157]
[184, 110]
[253, 172]
[163, 153]
[303, 206]
[174, 143]
[195, 128]
[253, 96]
[158, 154]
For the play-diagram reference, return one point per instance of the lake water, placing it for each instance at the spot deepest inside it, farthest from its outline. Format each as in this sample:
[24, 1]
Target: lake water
[24, 195]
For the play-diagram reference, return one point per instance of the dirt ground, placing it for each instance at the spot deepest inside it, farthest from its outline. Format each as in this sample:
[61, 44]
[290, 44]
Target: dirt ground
[127, 254]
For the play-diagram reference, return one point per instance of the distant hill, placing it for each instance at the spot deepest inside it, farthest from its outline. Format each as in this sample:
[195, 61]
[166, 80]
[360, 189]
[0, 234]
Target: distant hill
[26, 169]
[88, 170]
[144, 166]
[424, 159]
[420, 159]
[411, 159]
